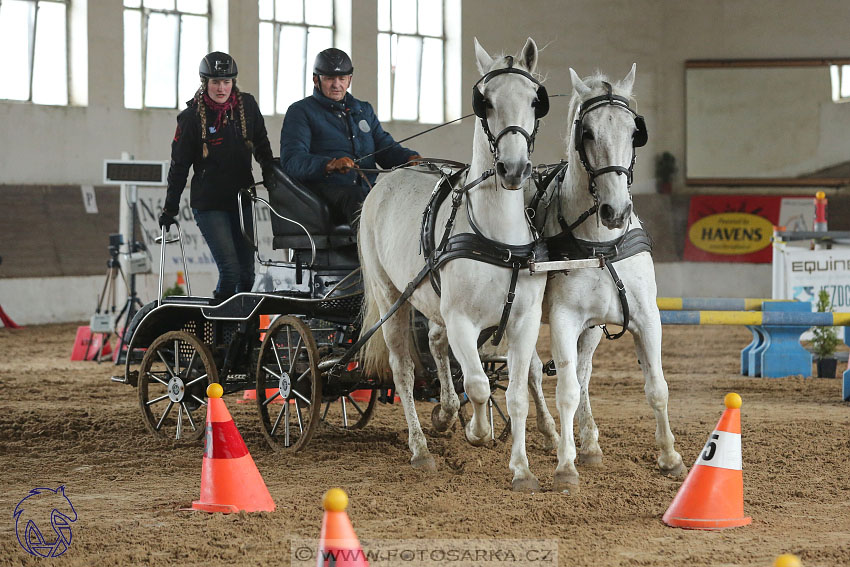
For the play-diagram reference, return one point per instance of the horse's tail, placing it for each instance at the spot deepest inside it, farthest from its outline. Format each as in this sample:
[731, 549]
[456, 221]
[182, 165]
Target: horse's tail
[375, 356]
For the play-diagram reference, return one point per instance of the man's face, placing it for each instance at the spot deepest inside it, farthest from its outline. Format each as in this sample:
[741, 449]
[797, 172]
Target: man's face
[333, 87]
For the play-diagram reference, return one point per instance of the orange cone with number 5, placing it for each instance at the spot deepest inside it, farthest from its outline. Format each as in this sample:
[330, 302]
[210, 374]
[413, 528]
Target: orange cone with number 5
[712, 497]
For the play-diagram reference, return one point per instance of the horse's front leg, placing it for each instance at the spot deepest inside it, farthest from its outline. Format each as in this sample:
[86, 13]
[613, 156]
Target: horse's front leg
[463, 337]
[647, 337]
[564, 339]
[589, 452]
[545, 423]
[522, 334]
[445, 412]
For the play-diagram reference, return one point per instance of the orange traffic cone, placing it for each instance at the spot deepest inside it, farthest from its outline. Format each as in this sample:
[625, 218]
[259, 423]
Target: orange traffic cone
[712, 497]
[230, 481]
[338, 544]
[180, 279]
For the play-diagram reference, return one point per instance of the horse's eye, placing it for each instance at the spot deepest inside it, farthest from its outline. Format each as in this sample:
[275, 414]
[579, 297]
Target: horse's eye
[586, 135]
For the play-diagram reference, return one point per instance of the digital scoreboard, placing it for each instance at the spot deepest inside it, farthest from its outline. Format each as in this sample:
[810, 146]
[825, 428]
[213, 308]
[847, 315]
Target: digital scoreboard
[135, 172]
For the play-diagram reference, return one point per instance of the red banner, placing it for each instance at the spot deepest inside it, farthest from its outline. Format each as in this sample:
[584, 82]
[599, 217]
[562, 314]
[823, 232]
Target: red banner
[725, 228]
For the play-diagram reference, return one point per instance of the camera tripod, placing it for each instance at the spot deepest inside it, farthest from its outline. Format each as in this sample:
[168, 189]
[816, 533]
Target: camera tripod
[105, 319]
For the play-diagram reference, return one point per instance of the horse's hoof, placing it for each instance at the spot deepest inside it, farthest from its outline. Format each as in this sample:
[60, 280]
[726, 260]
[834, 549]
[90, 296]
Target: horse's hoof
[424, 463]
[678, 471]
[590, 460]
[476, 441]
[529, 484]
[565, 482]
[441, 425]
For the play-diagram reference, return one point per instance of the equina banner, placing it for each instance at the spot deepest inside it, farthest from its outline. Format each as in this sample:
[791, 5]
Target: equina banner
[728, 228]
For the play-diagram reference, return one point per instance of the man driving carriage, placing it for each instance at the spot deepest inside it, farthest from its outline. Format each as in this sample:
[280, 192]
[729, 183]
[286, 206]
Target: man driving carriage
[323, 135]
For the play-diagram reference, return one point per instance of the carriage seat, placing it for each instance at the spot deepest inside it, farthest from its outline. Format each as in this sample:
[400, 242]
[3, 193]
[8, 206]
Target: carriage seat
[294, 200]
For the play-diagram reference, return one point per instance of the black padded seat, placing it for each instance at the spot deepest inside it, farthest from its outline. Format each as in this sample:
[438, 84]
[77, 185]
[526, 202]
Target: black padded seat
[293, 200]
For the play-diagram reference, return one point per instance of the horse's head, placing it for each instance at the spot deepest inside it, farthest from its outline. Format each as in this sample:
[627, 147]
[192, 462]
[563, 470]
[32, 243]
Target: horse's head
[509, 101]
[604, 135]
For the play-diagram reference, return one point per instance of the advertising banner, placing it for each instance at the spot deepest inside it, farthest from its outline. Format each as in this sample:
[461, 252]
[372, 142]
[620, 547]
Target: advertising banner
[198, 257]
[728, 228]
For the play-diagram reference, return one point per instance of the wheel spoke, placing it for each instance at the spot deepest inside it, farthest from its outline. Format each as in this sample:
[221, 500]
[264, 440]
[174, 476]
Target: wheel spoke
[164, 415]
[352, 402]
[270, 371]
[189, 415]
[191, 364]
[276, 356]
[177, 357]
[198, 379]
[303, 375]
[294, 358]
[302, 396]
[179, 422]
[199, 400]
[155, 400]
[286, 426]
[499, 409]
[165, 362]
[279, 416]
[344, 412]
[298, 415]
[274, 396]
[157, 378]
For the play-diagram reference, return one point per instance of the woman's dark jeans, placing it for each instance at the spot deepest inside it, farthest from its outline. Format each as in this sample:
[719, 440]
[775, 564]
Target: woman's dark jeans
[233, 254]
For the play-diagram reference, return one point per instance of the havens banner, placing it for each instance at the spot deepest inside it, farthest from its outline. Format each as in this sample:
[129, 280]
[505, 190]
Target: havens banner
[739, 228]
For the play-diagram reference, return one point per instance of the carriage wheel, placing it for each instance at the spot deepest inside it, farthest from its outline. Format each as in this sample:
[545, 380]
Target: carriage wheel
[173, 378]
[497, 407]
[288, 372]
[346, 412]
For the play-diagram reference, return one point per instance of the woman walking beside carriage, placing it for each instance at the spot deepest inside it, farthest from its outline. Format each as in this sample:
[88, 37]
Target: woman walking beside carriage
[216, 135]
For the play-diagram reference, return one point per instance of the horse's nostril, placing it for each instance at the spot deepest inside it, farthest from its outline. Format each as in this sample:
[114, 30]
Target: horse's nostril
[501, 169]
[607, 212]
[526, 171]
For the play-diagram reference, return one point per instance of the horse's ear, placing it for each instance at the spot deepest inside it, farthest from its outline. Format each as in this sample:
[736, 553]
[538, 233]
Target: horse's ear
[629, 81]
[529, 55]
[582, 89]
[482, 58]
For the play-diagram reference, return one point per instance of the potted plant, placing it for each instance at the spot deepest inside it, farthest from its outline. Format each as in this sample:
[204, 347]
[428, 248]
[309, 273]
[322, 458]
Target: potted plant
[665, 168]
[825, 340]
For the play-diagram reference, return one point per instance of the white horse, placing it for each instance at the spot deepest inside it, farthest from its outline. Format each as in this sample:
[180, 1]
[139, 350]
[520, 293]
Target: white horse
[593, 203]
[473, 292]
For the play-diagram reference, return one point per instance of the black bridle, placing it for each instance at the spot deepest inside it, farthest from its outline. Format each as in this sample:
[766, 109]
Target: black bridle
[480, 104]
[639, 138]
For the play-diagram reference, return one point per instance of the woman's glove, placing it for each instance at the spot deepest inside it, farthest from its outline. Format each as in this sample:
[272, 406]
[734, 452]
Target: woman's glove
[340, 164]
[166, 219]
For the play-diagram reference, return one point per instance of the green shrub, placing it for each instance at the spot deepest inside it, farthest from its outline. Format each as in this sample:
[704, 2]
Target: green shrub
[825, 338]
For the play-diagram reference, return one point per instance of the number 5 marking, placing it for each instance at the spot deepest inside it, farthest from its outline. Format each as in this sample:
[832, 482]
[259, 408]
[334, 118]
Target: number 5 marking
[710, 447]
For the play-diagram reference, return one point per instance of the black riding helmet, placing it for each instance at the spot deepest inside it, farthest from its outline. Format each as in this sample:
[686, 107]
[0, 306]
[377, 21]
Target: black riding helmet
[218, 65]
[333, 62]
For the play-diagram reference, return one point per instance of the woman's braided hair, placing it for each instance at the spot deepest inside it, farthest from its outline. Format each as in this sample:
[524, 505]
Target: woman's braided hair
[202, 112]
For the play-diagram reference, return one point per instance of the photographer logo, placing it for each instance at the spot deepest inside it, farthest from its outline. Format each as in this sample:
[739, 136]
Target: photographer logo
[43, 521]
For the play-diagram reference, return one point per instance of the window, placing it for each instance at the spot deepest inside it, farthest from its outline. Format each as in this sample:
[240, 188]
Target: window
[292, 32]
[840, 75]
[163, 44]
[411, 59]
[34, 43]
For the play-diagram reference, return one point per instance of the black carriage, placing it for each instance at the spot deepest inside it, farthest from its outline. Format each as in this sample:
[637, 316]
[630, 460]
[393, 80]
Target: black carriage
[178, 345]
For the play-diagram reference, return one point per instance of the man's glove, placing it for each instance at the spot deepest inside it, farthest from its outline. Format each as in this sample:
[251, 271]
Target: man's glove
[166, 219]
[340, 164]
